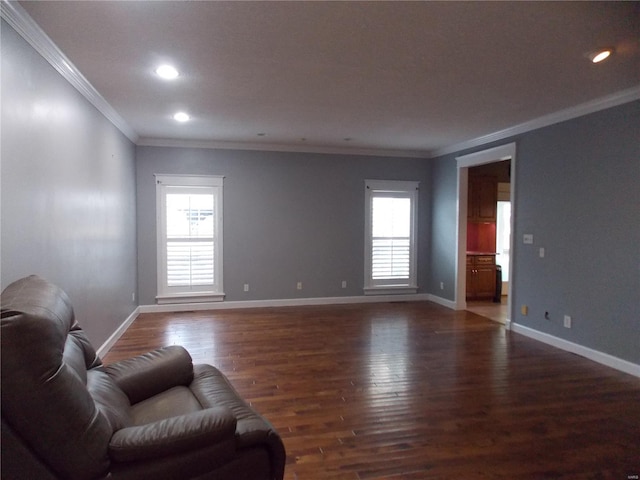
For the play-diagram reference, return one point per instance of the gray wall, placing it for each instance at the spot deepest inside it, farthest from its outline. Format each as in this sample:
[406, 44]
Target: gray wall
[444, 202]
[288, 217]
[578, 192]
[68, 191]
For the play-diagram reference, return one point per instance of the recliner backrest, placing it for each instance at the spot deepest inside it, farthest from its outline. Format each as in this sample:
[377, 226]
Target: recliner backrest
[45, 399]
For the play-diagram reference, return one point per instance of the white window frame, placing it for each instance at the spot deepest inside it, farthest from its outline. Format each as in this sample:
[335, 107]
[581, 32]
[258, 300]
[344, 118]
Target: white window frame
[206, 293]
[398, 189]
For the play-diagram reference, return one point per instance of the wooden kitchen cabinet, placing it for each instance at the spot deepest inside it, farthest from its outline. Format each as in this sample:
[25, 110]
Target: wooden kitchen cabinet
[482, 199]
[481, 277]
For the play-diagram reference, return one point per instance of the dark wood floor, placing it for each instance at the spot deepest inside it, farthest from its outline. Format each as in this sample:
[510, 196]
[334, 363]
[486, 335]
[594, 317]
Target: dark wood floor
[412, 391]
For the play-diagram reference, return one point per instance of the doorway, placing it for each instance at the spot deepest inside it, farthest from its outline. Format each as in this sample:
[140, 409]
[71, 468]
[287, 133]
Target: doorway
[496, 311]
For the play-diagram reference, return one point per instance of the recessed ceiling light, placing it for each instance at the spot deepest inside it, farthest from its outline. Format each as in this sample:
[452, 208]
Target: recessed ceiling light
[600, 55]
[181, 117]
[167, 72]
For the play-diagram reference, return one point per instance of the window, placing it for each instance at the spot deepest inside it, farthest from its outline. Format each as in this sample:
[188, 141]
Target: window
[503, 237]
[189, 210]
[390, 236]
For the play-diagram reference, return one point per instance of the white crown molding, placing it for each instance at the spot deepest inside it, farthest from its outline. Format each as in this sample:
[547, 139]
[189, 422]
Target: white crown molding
[613, 100]
[275, 147]
[28, 29]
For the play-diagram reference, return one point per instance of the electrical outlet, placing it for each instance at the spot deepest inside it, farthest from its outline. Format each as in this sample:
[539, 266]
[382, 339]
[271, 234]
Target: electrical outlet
[246, 287]
[299, 286]
[524, 310]
[441, 285]
[527, 238]
[546, 316]
[541, 252]
[567, 321]
[133, 297]
[344, 284]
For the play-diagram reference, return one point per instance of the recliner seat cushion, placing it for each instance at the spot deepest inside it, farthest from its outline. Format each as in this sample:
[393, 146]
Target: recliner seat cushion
[173, 402]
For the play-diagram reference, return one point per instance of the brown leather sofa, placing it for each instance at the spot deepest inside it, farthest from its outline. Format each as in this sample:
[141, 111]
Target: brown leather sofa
[156, 416]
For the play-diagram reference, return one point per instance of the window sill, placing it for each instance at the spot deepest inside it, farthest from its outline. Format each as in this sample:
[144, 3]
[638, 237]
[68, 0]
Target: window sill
[179, 298]
[390, 290]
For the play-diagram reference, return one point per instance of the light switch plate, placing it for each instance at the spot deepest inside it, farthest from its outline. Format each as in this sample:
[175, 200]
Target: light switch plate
[527, 238]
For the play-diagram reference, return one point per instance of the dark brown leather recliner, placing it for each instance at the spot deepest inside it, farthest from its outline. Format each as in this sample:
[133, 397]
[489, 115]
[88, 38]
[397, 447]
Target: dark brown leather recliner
[156, 416]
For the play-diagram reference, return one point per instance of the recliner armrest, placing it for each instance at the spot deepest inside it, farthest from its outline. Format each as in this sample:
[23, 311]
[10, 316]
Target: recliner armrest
[146, 375]
[173, 435]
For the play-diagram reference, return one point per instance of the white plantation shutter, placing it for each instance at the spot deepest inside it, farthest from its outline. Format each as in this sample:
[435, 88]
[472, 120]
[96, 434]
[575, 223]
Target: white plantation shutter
[390, 236]
[189, 238]
[189, 264]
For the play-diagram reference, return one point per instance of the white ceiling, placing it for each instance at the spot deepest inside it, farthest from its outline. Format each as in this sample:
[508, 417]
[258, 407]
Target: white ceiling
[415, 77]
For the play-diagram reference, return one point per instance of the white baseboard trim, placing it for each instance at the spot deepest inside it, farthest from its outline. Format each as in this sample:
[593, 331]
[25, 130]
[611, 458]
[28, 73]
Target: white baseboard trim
[285, 302]
[442, 301]
[106, 346]
[595, 355]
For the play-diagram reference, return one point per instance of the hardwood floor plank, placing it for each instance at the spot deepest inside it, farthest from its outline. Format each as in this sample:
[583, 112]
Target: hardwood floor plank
[411, 391]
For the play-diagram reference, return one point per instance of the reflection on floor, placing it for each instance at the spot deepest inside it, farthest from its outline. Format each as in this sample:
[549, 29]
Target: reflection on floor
[493, 311]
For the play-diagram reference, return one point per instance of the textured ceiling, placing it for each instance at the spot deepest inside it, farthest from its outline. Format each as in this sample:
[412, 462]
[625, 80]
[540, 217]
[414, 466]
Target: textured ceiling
[394, 76]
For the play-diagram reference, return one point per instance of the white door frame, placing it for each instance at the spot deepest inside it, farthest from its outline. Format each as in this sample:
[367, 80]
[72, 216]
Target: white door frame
[491, 155]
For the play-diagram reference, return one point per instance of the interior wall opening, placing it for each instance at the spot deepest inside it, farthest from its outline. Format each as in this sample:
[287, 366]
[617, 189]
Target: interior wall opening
[488, 239]
[486, 217]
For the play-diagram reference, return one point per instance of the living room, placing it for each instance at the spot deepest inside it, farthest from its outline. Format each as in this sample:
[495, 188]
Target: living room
[79, 208]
